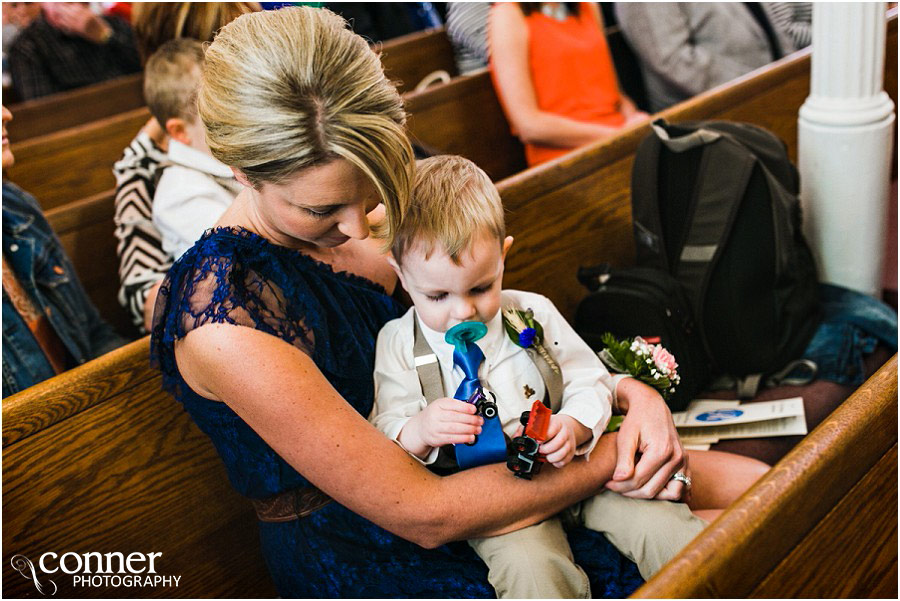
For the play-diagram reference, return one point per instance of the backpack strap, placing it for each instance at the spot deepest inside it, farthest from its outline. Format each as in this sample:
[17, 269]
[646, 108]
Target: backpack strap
[649, 246]
[725, 172]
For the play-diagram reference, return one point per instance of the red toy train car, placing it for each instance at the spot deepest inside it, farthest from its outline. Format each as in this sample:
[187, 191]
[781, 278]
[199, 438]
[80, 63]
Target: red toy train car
[524, 460]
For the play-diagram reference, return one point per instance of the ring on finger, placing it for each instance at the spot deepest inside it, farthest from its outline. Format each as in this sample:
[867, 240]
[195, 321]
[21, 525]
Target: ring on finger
[683, 478]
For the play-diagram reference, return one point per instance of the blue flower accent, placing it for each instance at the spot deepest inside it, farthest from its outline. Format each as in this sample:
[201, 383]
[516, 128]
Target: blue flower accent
[526, 337]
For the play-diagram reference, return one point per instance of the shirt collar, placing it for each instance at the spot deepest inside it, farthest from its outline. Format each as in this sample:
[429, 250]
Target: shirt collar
[492, 345]
[184, 155]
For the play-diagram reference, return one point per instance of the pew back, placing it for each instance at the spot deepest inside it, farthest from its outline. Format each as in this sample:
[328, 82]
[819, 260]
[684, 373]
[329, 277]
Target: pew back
[822, 523]
[409, 58]
[464, 117]
[86, 231]
[589, 188]
[75, 163]
[102, 444]
[61, 111]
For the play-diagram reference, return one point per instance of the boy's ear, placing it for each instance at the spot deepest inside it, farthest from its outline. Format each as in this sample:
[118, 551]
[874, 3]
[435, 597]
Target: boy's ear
[241, 178]
[177, 130]
[507, 242]
[396, 267]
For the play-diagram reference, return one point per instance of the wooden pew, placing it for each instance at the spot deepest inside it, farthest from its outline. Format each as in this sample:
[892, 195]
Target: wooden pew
[409, 58]
[464, 117]
[76, 163]
[86, 230]
[822, 523]
[57, 112]
[62, 166]
[100, 459]
[769, 97]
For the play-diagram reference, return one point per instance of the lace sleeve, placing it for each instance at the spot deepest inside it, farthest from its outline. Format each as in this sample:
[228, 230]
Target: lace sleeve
[212, 283]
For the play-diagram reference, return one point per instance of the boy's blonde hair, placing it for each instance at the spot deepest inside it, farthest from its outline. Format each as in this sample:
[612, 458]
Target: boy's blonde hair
[294, 88]
[453, 202]
[171, 80]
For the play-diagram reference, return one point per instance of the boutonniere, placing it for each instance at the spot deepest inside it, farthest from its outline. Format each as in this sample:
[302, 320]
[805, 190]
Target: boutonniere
[649, 363]
[525, 331]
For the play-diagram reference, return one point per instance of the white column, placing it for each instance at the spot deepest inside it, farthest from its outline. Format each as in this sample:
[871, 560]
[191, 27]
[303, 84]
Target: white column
[845, 142]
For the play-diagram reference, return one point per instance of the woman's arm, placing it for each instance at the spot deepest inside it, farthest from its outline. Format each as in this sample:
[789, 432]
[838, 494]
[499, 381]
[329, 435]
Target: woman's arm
[282, 395]
[508, 37]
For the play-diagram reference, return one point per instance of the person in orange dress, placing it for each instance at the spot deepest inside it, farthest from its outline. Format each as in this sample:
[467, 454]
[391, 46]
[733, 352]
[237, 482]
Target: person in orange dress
[554, 75]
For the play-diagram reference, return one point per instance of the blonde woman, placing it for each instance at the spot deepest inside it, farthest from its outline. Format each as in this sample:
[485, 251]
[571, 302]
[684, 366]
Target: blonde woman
[265, 331]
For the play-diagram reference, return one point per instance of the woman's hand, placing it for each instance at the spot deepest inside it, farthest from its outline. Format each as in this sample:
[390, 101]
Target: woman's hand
[648, 429]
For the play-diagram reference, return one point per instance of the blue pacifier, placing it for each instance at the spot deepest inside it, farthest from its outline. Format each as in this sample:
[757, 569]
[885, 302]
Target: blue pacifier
[465, 332]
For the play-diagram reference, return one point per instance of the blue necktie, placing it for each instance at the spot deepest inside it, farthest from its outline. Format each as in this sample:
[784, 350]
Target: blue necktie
[490, 445]
[469, 362]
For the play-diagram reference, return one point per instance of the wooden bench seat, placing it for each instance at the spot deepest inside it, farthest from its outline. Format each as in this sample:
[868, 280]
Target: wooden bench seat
[56, 112]
[75, 163]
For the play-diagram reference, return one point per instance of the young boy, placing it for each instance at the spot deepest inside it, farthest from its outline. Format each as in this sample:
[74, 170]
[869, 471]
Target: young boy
[449, 255]
[195, 189]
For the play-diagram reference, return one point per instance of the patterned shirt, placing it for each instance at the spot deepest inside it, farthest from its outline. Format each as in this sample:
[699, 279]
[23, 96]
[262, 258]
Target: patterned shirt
[43, 60]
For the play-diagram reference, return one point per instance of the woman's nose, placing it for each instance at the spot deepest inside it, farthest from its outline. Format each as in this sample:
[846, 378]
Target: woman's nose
[354, 223]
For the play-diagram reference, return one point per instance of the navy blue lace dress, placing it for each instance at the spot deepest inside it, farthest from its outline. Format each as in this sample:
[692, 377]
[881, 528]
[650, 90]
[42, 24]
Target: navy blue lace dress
[237, 277]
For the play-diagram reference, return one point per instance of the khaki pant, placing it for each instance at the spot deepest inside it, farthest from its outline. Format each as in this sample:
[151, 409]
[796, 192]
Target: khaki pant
[536, 562]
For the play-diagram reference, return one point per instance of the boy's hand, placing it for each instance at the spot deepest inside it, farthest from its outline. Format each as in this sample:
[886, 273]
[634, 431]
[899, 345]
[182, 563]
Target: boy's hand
[447, 421]
[563, 438]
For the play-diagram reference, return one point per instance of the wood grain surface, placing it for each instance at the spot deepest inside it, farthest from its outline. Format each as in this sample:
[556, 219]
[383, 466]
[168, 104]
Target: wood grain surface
[103, 460]
[409, 58]
[772, 519]
[464, 117]
[86, 230]
[852, 552]
[57, 112]
[75, 163]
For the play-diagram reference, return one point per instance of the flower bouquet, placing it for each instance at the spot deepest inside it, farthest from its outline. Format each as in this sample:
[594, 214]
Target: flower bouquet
[649, 363]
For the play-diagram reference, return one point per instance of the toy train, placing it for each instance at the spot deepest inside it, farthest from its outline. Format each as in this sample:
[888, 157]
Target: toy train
[523, 458]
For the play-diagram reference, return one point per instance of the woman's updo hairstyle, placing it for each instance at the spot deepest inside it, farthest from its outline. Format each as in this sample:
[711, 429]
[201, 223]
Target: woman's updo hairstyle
[294, 88]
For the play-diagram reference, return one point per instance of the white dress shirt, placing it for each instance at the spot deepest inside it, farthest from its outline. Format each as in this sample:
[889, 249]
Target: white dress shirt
[507, 371]
[193, 192]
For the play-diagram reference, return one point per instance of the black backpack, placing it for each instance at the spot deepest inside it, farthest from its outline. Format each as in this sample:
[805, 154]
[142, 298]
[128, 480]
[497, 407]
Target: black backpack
[715, 205]
[640, 301]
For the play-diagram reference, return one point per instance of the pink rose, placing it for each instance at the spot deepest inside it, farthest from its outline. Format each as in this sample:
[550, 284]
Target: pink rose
[664, 360]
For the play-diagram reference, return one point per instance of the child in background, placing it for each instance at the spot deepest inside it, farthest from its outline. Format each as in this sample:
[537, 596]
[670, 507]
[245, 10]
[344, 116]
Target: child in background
[449, 255]
[195, 188]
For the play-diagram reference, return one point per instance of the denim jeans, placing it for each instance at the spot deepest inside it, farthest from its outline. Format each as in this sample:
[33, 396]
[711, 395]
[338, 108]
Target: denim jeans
[853, 324]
